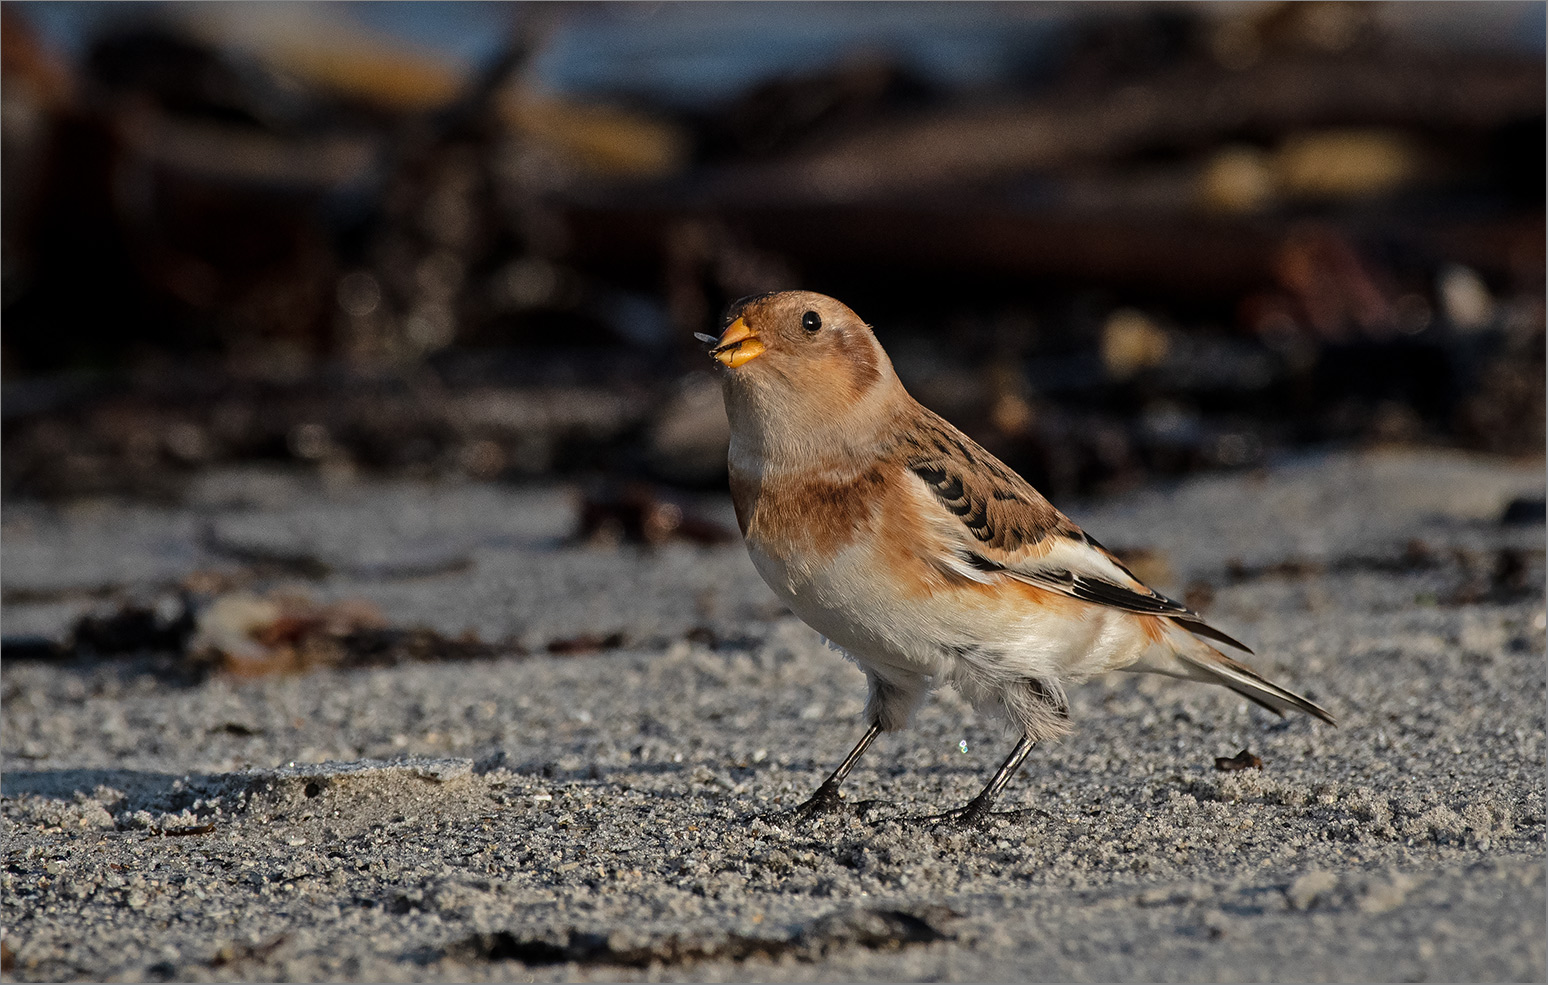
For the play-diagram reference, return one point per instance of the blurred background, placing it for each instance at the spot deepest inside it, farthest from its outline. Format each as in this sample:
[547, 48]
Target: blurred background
[1112, 242]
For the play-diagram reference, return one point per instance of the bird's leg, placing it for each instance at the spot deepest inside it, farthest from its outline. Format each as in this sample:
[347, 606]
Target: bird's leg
[975, 810]
[827, 796]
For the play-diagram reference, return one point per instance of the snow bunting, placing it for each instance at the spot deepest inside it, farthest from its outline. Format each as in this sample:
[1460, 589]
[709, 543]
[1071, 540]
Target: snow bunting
[920, 554]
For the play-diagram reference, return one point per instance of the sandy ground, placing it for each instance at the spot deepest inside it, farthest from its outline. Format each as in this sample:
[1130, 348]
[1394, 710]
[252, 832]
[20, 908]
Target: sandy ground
[608, 816]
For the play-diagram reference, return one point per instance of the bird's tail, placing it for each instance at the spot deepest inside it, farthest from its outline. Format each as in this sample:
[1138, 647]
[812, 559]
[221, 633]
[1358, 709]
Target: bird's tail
[1181, 654]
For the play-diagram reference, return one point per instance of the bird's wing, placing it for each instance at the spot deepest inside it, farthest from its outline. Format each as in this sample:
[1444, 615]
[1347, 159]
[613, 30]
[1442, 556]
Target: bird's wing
[997, 525]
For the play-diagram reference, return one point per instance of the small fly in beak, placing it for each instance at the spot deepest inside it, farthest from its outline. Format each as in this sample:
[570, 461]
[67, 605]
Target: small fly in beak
[737, 345]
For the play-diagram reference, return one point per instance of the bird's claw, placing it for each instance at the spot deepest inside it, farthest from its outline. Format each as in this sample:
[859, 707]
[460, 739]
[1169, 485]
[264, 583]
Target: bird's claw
[962, 817]
[825, 801]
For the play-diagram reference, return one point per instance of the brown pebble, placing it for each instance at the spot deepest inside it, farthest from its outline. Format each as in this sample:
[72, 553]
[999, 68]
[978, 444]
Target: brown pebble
[1243, 760]
[585, 643]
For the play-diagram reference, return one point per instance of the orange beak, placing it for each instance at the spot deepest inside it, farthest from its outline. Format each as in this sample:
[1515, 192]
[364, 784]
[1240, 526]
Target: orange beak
[738, 345]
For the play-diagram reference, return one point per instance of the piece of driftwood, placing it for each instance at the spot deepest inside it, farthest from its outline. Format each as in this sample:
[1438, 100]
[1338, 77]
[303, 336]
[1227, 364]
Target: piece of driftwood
[1180, 254]
[1189, 107]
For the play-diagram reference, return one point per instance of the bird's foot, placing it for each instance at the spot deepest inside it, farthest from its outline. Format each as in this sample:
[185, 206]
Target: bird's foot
[973, 814]
[825, 801]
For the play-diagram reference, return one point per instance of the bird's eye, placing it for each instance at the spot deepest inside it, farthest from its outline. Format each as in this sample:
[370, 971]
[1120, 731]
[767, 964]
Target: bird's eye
[811, 321]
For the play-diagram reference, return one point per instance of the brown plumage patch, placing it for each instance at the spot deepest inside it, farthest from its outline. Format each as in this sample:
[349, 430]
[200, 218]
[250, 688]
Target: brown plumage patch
[809, 518]
[841, 376]
[864, 373]
[908, 547]
[1153, 628]
[898, 551]
[1037, 597]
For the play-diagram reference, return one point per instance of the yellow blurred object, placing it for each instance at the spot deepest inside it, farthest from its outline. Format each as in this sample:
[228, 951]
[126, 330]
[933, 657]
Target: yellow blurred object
[323, 47]
[603, 139]
[1323, 164]
[391, 79]
[1011, 411]
[1131, 341]
[1347, 163]
[1237, 179]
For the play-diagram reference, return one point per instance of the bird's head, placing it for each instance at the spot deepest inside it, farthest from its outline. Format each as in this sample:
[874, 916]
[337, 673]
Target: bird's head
[801, 371]
[803, 342]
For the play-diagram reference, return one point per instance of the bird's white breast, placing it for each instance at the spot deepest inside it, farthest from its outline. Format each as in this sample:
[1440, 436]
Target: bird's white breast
[854, 602]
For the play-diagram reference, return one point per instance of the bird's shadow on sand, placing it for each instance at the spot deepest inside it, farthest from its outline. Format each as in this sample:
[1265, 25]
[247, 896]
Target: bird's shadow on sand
[882, 812]
[130, 789]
